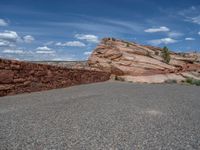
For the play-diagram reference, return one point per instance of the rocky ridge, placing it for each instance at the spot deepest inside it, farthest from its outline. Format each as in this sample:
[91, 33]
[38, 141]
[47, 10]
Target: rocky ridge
[133, 62]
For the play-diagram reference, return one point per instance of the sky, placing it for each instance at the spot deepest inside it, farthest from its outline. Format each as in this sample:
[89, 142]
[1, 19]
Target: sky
[67, 30]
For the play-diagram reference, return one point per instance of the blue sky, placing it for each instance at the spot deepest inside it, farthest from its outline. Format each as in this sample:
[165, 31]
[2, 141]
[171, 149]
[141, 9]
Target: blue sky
[71, 29]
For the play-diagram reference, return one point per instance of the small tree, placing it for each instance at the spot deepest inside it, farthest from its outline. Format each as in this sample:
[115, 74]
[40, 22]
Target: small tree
[127, 44]
[166, 55]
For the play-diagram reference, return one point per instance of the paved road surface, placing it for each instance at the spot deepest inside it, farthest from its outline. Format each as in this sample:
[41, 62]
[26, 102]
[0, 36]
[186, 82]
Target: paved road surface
[110, 115]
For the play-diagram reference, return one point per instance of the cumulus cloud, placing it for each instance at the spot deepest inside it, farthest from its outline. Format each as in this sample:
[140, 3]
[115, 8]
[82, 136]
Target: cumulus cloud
[162, 41]
[11, 36]
[87, 53]
[199, 33]
[189, 39]
[3, 22]
[71, 43]
[28, 39]
[160, 29]
[87, 37]
[8, 38]
[44, 50]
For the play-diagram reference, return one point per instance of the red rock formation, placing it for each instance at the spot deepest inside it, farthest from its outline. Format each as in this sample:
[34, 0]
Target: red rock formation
[130, 59]
[19, 77]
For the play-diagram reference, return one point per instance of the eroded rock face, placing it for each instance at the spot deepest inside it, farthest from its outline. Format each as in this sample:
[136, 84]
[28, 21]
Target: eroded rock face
[123, 58]
[20, 77]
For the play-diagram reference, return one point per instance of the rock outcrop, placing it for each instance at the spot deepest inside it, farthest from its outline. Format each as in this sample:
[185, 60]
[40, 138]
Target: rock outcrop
[139, 63]
[20, 77]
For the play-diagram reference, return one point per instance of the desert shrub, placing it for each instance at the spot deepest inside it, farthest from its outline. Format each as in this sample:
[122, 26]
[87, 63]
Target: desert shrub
[117, 78]
[171, 81]
[188, 80]
[156, 53]
[197, 82]
[166, 55]
[193, 81]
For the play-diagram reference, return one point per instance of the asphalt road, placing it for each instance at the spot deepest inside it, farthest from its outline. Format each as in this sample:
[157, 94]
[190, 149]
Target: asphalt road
[109, 115]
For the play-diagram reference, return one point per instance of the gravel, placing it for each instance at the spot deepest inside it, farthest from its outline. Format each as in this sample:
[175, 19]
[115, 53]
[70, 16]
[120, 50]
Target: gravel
[109, 115]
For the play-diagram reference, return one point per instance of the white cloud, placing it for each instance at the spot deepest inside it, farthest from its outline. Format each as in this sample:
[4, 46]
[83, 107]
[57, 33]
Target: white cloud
[175, 34]
[195, 19]
[60, 44]
[44, 50]
[9, 51]
[3, 22]
[87, 37]
[160, 29]
[87, 53]
[8, 38]
[189, 39]
[71, 43]
[199, 33]
[5, 43]
[162, 41]
[11, 36]
[28, 39]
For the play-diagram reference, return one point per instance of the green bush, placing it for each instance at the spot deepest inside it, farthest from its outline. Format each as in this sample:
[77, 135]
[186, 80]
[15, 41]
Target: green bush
[189, 80]
[197, 83]
[166, 55]
[193, 81]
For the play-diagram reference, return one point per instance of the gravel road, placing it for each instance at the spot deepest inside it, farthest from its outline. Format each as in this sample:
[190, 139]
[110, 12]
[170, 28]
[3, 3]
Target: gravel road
[108, 115]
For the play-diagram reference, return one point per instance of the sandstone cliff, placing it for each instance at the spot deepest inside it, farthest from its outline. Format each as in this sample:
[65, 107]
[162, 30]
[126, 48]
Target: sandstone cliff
[139, 63]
